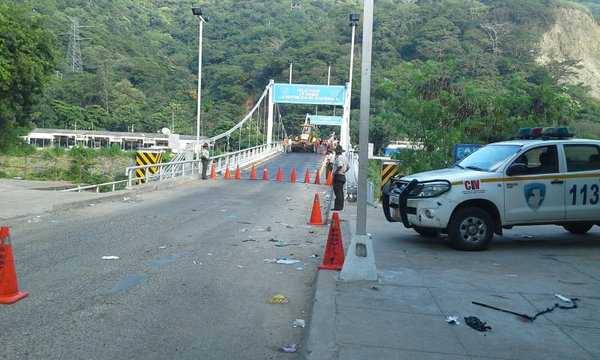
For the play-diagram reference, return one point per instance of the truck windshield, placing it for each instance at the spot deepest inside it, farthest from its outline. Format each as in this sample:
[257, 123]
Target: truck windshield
[488, 158]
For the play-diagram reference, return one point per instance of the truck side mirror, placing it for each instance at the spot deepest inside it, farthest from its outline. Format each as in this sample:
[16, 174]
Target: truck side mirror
[517, 169]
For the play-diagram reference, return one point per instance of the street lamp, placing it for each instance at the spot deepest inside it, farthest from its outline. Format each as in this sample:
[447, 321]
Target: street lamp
[198, 12]
[291, 68]
[345, 129]
[329, 71]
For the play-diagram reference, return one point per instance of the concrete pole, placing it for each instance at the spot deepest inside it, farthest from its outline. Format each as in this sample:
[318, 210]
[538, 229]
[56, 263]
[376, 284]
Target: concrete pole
[198, 127]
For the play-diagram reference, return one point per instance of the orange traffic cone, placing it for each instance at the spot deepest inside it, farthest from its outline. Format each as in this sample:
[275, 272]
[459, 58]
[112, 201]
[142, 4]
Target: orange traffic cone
[315, 217]
[9, 290]
[279, 176]
[293, 177]
[307, 177]
[227, 173]
[213, 173]
[329, 178]
[238, 174]
[265, 173]
[317, 178]
[253, 173]
[334, 251]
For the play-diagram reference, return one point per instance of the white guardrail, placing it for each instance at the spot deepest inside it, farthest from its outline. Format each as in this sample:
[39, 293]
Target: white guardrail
[174, 169]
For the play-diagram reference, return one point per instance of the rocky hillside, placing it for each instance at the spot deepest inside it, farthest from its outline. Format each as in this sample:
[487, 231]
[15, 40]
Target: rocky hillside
[575, 36]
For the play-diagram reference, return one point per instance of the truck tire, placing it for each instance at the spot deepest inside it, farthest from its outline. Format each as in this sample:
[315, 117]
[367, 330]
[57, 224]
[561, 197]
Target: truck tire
[470, 229]
[578, 228]
[426, 232]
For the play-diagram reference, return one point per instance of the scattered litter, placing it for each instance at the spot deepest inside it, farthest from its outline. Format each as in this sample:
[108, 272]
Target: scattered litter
[209, 254]
[91, 205]
[269, 228]
[223, 210]
[496, 264]
[278, 299]
[532, 318]
[110, 257]
[287, 261]
[243, 230]
[290, 349]
[54, 221]
[453, 320]
[299, 268]
[240, 266]
[197, 262]
[315, 256]
[526, 237]
[35, 219]
[475, 323]
[511, 275]
[270, 261]
[562, 298]
[288, 199]
[299, 323]
[374, 288]
[162, 247]
[279, 244]
[248, 240]
[244, 222]
[311, 232]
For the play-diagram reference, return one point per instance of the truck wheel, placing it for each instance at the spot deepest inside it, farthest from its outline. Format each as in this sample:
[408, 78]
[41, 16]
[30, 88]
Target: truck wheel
[578, 228]
[470, 229]
[426, 232]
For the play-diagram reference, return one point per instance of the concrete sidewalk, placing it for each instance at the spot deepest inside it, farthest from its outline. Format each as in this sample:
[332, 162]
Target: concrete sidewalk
[421, 282]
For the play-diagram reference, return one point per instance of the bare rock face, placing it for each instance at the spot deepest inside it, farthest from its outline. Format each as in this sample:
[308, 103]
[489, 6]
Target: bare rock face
[575, 36]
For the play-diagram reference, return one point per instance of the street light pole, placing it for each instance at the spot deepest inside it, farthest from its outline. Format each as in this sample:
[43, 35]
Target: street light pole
[199, 128]
[291, 68]
[328, 72]
[345, 129]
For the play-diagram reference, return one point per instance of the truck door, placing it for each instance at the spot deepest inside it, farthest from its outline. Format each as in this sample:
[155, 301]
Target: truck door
[538, 193]
[583, 181]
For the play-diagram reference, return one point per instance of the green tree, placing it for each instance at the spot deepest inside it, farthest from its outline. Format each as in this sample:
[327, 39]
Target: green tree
[26, 58]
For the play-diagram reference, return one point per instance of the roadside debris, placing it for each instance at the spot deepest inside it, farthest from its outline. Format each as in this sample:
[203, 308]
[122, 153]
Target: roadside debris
[290, 349]
[299, 323]
[278, 299]
[453, 320]
[475, 323]
[532, 318]
[287, 261]
[110, 257]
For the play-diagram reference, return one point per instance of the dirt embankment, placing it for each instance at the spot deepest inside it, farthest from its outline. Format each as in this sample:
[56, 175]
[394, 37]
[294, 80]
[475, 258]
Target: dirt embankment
[575, 36]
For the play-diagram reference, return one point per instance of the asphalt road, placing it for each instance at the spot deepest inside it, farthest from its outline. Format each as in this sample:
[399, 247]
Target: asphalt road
[194, 275]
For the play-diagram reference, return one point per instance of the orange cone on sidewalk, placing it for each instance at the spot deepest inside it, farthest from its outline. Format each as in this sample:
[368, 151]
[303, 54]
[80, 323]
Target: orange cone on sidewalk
[9, 289]
[238, 174]
[317, 178]
[279, 176]
[253, 173]
[265, 173]
[334, 251]
[227, 173]
[293, 177]
[213, 173]
[329, 178]
[315, 217]
[307, 177]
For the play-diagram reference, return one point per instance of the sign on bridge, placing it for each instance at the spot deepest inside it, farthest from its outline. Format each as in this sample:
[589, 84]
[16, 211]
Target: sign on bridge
[325, 120]
[309, 94]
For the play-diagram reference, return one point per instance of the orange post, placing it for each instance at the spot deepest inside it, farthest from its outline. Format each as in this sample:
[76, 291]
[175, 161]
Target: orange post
[279, 175]
[334, 251]
[329, 178]
[9, 289]
[317, 178]
[253, 173]
[227, 173]
[265, 173]
[315, 217]
[238, 174]
[307, 177]
[213, 173]
[293, 177]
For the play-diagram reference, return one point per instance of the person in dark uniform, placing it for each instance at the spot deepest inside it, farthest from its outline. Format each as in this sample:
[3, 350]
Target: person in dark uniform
[340, 166]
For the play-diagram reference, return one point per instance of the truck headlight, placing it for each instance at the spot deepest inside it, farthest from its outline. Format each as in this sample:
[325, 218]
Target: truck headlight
[430, 189]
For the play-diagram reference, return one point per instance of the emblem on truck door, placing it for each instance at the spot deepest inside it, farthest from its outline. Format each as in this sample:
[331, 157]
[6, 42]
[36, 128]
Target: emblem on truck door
[535, 194]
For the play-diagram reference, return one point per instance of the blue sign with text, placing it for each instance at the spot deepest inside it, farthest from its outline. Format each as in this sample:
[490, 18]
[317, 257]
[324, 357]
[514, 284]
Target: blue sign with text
[325, 120]
[309, 94]
[463, 150]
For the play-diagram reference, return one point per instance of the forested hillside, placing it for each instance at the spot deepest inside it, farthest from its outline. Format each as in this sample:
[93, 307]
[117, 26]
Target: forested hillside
[443, 71]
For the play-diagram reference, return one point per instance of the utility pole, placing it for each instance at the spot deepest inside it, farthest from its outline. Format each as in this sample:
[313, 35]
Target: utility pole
[74, 51]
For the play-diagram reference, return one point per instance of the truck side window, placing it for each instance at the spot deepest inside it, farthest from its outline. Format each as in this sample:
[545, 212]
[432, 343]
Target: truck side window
[582, 157]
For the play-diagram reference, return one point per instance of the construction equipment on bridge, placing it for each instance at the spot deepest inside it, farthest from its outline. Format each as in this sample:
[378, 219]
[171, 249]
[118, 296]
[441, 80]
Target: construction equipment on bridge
[306, 141]
[9, 289]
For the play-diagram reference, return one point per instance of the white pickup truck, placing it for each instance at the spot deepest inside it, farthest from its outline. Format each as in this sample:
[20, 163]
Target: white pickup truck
[544, 176]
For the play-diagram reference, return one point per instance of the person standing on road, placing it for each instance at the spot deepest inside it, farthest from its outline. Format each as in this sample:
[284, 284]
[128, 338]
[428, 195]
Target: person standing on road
[205, 158]
[340, 166]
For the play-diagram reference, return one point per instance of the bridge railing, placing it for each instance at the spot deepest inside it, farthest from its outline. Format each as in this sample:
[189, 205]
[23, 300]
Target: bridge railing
[169, 170]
